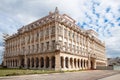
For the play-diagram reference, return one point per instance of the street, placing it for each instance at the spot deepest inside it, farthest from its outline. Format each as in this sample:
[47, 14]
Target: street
[79, 75]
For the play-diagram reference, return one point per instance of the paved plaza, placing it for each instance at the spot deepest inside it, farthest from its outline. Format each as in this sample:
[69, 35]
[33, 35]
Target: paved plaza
[81, 75]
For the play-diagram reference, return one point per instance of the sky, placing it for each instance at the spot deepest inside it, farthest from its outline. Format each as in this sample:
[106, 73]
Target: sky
[103, 16]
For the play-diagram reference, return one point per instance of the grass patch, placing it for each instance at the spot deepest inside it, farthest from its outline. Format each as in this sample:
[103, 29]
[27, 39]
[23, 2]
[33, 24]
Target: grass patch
[14, 72]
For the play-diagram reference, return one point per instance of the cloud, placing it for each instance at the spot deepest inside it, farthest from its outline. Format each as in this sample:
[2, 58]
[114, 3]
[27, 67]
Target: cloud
[100, 15]
[113, 43]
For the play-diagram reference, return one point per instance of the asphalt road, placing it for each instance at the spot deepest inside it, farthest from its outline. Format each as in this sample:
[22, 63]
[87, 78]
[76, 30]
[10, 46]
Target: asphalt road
[81, 75]
[113, 77]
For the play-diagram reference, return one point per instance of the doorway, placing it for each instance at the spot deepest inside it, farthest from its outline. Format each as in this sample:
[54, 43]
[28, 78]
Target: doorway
[92, 63]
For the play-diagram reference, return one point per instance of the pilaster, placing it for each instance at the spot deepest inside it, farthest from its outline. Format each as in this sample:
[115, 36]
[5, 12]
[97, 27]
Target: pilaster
[57, 61]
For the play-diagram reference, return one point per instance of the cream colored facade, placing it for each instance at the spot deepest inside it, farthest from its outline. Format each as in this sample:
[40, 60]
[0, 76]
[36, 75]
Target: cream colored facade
[54, 42]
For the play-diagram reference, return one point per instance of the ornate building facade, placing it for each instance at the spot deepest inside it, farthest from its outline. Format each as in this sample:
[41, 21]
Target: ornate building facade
[54, 42]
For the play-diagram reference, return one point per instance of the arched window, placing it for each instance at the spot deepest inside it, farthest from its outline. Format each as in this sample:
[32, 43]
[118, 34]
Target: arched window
[47, 62]
[37, 62]
[71, 62]
[75, 63]
[22, 63]
[28, 62]
[53, 61]
[16, 62]
[62, 61]
[32, 62]
[78, 63]
[66, 62]
[42, 62]
[81, 63]
[84, 63]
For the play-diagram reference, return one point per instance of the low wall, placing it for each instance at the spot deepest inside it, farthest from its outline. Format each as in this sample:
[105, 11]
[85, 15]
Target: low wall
[116, 67]
[104, 68]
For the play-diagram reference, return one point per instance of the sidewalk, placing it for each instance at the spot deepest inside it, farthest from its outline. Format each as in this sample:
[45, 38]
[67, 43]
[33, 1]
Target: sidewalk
[114, 77]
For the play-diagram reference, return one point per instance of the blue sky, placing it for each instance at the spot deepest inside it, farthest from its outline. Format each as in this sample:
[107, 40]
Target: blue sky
[103, 16]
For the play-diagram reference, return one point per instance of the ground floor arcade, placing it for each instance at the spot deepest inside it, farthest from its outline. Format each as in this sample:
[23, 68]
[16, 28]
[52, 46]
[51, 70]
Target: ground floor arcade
[51, 61]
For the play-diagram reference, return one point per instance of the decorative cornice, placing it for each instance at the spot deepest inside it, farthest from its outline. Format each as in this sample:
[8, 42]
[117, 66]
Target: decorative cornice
[55, 17]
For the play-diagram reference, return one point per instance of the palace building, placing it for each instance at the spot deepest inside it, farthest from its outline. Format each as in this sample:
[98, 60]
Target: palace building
[54, 42]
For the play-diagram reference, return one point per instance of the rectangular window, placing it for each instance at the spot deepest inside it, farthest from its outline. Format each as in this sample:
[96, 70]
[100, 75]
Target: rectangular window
[53, 30]
[37, 34]
[78, 38]
[60, 29]
[69, 34]
[37, 47]
[53, 44]
[42, 45]
[65, 45]
[32, 38]
[47, 32]
[41, 33]
[77, 49]
[47, 44]
[29, 39]
[73, 35]
[23, 50]
[73, 48]
[70, 47]
[28, 49]
[65, 32]
[32, 48]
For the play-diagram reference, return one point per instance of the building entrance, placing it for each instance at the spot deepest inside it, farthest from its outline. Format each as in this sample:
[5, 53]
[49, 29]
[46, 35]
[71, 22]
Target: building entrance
[92, 62]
